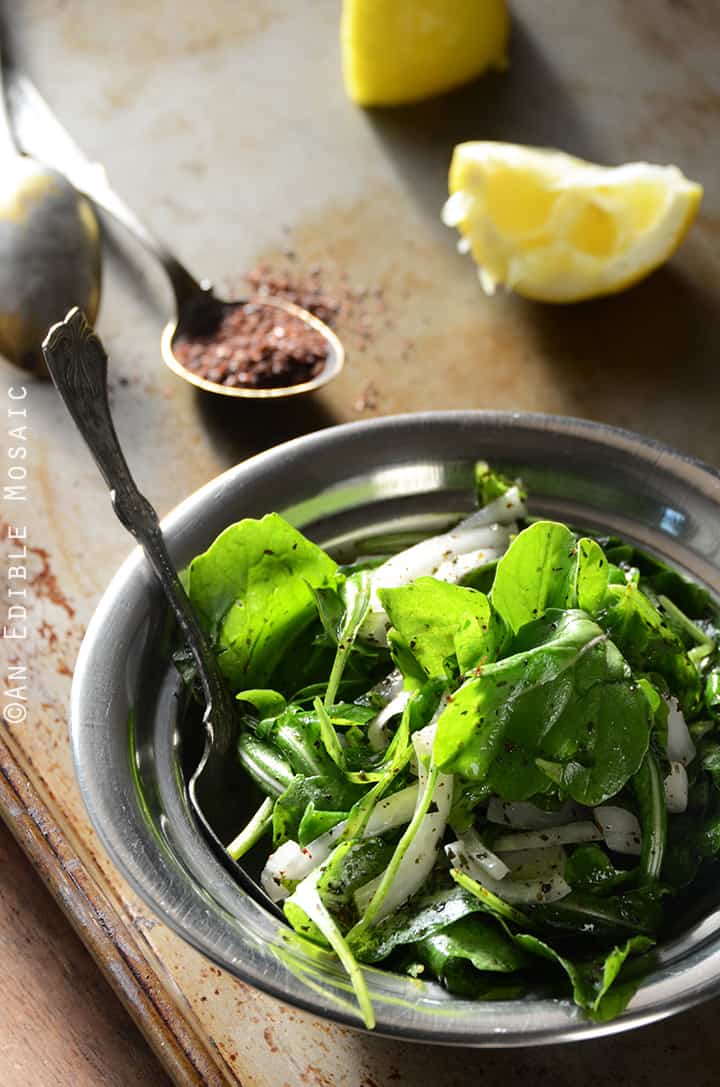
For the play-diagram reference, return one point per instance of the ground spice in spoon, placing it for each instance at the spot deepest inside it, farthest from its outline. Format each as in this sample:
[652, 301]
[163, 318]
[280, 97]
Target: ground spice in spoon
[255, 346]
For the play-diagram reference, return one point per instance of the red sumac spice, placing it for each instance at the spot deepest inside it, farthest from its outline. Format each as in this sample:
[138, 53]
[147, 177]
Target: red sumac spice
[255, 346]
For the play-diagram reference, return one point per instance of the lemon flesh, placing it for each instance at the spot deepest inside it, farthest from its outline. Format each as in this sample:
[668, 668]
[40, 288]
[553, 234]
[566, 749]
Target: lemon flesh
[558, 229]
[397, 51]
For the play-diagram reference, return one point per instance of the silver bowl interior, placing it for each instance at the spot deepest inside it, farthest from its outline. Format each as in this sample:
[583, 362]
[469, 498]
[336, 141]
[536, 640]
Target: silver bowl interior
[340, 486]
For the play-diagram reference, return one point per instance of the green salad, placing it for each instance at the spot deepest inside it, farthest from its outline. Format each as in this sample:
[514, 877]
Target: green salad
[489, 760]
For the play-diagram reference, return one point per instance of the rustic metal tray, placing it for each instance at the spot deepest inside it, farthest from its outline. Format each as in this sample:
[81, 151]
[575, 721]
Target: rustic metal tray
[227, 127]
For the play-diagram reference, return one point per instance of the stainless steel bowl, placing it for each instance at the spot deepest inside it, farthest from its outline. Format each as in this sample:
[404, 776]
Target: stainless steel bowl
[339, 486]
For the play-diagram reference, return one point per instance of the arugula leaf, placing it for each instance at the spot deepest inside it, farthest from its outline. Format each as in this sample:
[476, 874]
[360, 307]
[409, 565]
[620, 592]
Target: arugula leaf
[490, 484]
[589, 868]
[413, 673]
[424, 914]
[592, 980]
[326, 793]
[351, 864]
[265, 702]
[250, 590]
[591, 577]
[590, 915]
[329, 736]
[546, 567]
[316, 821]
[308, 915]
[428, 614]
[297, 735]
[648, 785]
[351, 715]
[692, 839]
[648, 643]
[656, 575]
[479, 641]
[467, 795]
[262, 762]
[563, 709]
[330, 609]
[469, 942]
[536, 572]
[354, 596]
[481, 578]
[462, 979]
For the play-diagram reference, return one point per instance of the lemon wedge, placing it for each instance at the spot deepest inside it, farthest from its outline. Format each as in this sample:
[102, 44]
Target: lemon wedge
[397, 51]
[558, 229]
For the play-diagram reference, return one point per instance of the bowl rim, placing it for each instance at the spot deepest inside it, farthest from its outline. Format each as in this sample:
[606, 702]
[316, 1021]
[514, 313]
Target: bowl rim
[567, 1026]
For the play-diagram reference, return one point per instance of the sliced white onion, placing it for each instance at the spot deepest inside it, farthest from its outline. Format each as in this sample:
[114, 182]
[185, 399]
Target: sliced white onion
[424, 739]
[620, 828]
[378, 737]
[523, 814]
[503, 510]
[395, 811]
[535, 863]
[488, 529]
[680, 746]
[471, 845]
[420, 856]
[675, 786]
[416, 865]
[571, 834]
[389, 686]
[292, 862]
[515, 891]
[455, 569]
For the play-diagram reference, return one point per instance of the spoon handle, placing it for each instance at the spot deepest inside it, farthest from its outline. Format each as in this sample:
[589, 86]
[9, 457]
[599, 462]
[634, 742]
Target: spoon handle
[7, 140]
[77, 363]
[41, 134]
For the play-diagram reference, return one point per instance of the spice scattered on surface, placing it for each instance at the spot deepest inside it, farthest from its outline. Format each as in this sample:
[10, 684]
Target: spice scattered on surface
[326, 291]
[369, 398]
[255, 346]
[268, 283]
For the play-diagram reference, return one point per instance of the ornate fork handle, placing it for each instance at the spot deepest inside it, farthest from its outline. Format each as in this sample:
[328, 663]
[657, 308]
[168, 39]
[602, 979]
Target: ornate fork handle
[77, 362]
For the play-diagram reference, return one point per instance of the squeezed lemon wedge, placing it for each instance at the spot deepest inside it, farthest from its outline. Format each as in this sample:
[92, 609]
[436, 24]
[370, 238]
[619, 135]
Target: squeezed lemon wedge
[398, 51]
[559, 229]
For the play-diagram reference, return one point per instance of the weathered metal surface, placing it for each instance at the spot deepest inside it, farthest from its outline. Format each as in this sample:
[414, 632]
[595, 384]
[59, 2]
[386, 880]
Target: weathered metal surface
[225, 125]
[184, 1052]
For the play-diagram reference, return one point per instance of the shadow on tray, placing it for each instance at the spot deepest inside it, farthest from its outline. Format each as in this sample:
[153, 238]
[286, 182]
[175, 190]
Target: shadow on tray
[644, 359]
[238, 429]
[527, 105]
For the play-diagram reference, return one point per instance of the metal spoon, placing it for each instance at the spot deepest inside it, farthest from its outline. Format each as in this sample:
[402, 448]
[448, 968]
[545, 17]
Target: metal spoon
[49, 249]
[77, 363]
[197, 307]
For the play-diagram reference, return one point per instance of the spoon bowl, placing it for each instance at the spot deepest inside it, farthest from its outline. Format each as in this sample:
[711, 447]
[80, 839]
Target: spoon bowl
[49, 249]
[183, 326]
